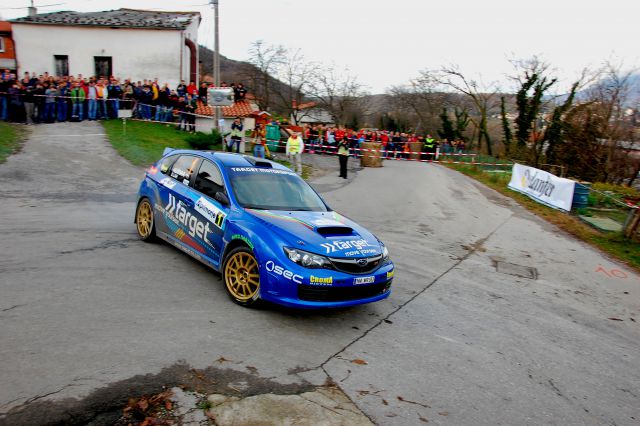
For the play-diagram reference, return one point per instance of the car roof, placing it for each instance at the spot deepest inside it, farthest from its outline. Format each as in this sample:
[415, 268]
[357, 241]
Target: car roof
[227, 159]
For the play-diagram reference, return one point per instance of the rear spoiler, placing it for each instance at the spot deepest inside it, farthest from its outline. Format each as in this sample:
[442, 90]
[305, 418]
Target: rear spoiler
[167, 150]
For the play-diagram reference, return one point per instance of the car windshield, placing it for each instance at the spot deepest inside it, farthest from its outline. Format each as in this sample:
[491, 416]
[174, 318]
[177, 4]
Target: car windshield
[273, 189]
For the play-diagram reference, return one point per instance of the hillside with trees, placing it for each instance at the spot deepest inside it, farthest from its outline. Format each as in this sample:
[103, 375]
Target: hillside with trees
[590, 132]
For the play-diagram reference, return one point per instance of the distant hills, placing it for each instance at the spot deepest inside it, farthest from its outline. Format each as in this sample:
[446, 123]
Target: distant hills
[634, 92]
[237, 71]
[230, 70]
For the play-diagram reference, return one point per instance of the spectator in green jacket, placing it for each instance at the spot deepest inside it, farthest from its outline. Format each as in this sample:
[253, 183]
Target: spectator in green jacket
[77, 101]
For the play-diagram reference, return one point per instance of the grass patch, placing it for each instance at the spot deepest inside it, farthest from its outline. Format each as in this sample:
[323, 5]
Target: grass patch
[204, 404]
[614, 244]
[142, 143]
[306, 170]
[11, 137]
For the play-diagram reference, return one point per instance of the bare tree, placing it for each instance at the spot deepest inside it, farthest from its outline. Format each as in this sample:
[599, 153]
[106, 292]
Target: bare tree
[594, 133]
[338, 92]
[420, 102]
[484, 98]
[295, 75]
[611, 94]
[266, 60]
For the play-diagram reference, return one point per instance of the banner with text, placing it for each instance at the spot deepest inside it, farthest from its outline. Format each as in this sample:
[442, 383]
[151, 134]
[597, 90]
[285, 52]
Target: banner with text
[543, 187]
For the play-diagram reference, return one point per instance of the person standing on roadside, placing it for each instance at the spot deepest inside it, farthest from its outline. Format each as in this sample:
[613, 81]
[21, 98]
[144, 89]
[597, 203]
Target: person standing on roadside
[237, 131]
[343, 157]
[429, 148]
[103, 95]
[50, 104]
[258, 141]
[92, 101]
[29, 103]
[312, 138]
[62, 103]
[181, 106]
[331, 140]
[5, 85]
[38, 100]
[203, 91]
[77, 102]
[190, 110]
[294, 149]
[16, 103]
[114, 94]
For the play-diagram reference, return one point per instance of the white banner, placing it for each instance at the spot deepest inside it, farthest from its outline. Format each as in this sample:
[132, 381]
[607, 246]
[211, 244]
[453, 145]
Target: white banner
[543, 187]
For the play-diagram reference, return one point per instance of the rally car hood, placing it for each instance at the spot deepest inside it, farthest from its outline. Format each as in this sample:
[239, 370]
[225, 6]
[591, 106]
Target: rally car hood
[326, 233]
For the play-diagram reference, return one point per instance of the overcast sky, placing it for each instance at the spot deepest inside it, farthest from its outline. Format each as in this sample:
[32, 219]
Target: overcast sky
[387, 43]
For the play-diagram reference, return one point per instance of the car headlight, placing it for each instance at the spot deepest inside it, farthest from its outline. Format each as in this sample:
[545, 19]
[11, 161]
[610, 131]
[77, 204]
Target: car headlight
[385, 253]
[306, 259]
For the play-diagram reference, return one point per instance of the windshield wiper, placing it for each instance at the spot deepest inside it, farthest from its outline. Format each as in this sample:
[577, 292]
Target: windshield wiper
[255, 207]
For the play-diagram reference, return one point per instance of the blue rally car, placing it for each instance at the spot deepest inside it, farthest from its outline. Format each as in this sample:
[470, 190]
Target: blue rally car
[264, 228]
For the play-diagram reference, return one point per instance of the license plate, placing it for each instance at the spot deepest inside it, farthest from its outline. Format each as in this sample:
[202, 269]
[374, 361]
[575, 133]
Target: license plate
[364, 280]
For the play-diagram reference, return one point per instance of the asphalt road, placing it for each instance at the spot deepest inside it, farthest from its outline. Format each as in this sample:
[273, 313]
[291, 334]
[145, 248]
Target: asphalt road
[496, 316]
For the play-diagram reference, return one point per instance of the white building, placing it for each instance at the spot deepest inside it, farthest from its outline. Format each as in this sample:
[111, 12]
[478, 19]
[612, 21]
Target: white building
[125, 43]
[310, 113]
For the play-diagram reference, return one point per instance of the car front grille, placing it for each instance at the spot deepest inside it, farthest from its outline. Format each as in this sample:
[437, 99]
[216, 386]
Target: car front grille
[314, 293]
[351, 266]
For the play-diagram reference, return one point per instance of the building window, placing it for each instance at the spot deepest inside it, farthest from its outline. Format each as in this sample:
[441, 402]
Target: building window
[61, 63]
[1, 44]
[103, 66]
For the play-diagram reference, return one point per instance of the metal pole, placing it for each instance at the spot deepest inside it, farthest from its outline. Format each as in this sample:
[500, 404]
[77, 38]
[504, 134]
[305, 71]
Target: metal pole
[216, 59]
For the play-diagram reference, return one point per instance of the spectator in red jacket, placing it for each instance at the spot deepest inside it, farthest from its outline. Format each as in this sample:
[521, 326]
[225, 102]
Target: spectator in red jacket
[192, 89]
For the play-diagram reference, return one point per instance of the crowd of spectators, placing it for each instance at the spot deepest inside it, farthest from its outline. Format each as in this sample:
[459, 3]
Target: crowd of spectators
[46, 99]
[324, 139]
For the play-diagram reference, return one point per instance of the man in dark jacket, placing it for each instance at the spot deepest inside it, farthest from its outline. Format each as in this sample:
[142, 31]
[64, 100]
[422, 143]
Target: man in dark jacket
[114, 94]
[29, 102]
[146, 98]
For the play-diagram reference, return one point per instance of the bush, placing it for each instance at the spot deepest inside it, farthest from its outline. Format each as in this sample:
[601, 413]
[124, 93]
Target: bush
[619, 190]
[204, 141]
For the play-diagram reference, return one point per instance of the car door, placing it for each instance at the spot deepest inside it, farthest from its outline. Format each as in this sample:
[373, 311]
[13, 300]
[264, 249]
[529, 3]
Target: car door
[207, 182]
[182, 226]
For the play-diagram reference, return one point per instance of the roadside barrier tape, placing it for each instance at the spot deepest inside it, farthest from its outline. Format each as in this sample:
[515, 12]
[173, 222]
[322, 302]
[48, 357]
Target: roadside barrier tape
[134, 102]
[626, 204]
[396, 157]
[65, 97]
[331, 149]
[475, 163]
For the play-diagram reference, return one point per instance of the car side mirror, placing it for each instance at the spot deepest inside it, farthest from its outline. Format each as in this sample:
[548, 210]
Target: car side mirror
[222, 198]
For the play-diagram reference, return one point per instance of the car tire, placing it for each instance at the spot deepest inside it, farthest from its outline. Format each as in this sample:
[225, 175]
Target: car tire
[145, 223]
[241, 276]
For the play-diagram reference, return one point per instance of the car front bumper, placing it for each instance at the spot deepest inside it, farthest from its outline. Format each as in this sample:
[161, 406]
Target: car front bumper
[299, 287]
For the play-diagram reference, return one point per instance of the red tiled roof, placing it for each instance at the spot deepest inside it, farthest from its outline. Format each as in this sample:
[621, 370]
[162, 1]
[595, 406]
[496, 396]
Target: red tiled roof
[239, 109]
[307, 105]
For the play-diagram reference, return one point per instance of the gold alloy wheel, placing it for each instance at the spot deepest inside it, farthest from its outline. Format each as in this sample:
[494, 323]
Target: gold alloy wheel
[144, 219]
[242, 277]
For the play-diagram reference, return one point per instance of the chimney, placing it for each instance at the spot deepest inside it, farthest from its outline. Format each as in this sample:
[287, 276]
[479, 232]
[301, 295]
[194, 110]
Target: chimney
[32, 10]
